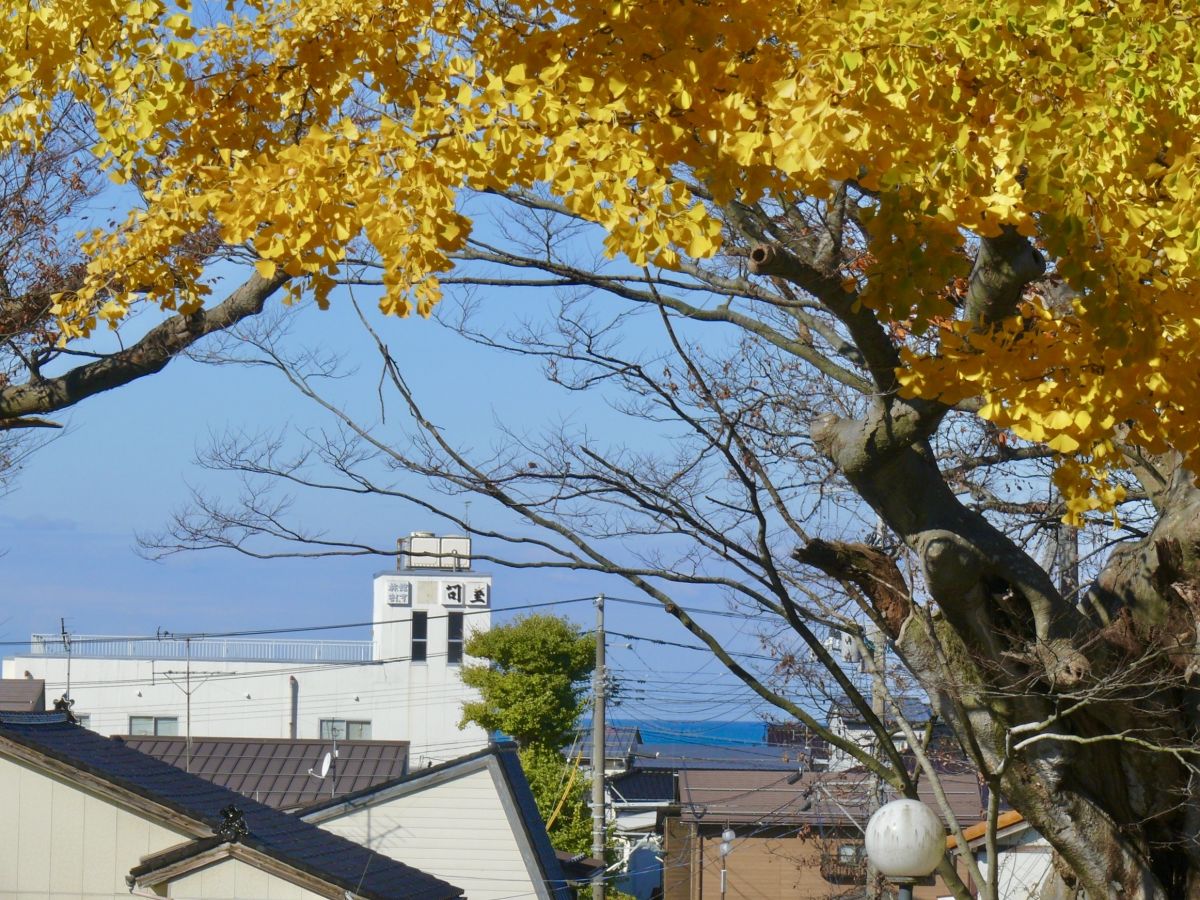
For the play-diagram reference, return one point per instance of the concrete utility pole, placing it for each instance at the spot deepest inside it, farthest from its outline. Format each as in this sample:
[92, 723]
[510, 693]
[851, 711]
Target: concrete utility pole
[598, 733]
[879, 708]
[878, 651]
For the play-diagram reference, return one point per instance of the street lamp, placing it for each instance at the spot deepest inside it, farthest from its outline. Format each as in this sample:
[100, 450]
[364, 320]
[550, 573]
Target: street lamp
[727, 837]
[905, 842]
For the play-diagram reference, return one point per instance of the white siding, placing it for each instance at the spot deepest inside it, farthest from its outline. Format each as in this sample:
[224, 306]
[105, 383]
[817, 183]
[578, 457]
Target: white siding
[234, 878]
[1025, 861]
[57, 840]
[456, 830]
[418, 702]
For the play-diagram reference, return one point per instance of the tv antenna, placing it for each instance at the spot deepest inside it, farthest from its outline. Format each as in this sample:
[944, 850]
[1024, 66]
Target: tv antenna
[66, 641]
[162, 634]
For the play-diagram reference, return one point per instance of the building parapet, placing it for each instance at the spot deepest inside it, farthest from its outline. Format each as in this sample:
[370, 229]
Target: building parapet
[202, 648]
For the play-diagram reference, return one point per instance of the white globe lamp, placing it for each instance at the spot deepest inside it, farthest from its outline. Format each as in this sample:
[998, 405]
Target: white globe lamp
[905, 842]
[727, 839]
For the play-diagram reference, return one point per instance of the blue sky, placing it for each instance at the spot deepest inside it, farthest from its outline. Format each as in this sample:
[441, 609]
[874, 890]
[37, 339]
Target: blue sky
[125, 462]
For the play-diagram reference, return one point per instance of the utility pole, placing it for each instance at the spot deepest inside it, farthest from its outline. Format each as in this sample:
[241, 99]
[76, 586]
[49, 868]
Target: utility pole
[877, 647]
[598, 734]
[878, 651]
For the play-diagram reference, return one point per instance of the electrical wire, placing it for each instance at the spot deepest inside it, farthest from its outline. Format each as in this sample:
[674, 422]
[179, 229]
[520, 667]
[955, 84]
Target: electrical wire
[299, 629]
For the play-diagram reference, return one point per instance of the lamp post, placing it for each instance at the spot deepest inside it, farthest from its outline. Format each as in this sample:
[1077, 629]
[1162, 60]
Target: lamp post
[905, 842]
[726, 848]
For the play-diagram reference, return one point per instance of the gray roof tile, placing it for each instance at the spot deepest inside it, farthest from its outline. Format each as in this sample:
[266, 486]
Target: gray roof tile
[22, 695]
[277, 834]
[817, 798]
[275, 771]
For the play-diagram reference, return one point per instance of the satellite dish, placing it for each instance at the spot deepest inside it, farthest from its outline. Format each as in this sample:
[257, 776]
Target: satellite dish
[326, 760]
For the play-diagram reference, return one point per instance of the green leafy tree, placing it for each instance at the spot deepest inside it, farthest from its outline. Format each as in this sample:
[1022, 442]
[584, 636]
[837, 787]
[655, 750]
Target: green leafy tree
[561, 792]
[533, 688]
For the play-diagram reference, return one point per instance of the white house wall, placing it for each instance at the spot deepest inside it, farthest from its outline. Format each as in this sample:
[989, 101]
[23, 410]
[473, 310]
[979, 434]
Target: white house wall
[402, 701]
[420, 702]
[457, 830]
[1025, 861]
[234, 878]
[58, 841]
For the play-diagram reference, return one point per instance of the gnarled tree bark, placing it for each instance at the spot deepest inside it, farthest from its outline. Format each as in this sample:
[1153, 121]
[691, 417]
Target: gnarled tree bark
[1086, 716]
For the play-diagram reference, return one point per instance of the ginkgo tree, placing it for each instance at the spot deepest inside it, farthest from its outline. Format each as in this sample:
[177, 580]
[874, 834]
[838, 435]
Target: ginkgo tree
[946, 212]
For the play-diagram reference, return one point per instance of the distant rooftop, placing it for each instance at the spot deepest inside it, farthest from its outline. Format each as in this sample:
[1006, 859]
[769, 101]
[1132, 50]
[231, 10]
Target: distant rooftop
[640, 786]
[817, 798]
[915, 709]
[700, 756]
[22, 695]
[620, 741]
[275, 771]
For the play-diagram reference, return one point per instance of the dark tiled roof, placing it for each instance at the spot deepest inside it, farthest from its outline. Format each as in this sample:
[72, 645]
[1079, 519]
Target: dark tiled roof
[578, 866]
[275, 772]
[915, 710]
[279, 835]
[762, 799]
[506, 756]
[531, 820]
[680, 757]
[639, 786]
[619, 742]
[818, 798]
[22, 695]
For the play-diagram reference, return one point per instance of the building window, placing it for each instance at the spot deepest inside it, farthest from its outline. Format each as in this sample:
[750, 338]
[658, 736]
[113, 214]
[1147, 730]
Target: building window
[420, 636]
[454, 640]
[160, 725]
[345, 730]
[850, 854]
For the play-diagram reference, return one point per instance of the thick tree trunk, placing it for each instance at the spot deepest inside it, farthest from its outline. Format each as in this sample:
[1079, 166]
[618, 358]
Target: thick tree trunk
[1090, 720]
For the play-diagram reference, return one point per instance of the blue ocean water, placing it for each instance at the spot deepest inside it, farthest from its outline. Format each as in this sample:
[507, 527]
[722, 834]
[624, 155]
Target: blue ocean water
[663, 731]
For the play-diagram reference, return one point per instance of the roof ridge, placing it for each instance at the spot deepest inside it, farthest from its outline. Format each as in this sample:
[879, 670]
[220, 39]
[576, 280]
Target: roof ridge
[274, 833]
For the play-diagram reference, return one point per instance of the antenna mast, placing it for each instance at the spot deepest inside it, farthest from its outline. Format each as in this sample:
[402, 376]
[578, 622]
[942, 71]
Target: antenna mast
[186, 687]
[66, 639]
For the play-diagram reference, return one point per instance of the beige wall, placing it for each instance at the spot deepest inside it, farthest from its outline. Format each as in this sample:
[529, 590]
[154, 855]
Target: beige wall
[56, 840]
[234, 878]
[677, 860]
[777, 864]
[456, 830]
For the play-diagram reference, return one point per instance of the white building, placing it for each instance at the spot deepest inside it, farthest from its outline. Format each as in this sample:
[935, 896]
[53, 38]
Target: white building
[403, 684]
[419, 820]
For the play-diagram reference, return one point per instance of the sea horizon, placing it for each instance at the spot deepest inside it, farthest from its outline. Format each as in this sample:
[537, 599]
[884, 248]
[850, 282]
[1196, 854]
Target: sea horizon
[684, 731]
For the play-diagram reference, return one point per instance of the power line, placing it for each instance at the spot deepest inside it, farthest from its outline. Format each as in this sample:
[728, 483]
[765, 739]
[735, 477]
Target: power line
[637, 637]
[260, 632]
[301, 629]
[696, 610]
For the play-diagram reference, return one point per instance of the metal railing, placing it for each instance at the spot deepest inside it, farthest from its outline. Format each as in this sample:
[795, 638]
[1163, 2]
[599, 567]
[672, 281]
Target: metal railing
[232, 649]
